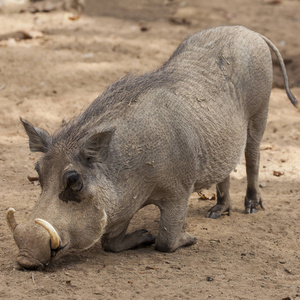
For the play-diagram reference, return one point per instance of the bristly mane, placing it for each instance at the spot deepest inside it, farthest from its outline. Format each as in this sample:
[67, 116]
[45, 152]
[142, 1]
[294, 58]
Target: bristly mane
[112, 103]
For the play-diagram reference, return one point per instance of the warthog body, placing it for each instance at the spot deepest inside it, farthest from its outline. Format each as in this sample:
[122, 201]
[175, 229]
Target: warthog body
[153, 139]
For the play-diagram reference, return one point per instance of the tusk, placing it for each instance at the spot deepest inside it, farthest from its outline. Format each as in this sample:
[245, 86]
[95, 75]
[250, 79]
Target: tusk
[10, 218]
[55, 240]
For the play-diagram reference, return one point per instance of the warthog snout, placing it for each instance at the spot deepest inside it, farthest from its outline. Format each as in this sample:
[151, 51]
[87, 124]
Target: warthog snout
[36, 245]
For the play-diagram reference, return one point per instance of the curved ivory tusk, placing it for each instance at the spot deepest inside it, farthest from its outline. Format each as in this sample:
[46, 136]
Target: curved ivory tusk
[10, 218]
[55, 239]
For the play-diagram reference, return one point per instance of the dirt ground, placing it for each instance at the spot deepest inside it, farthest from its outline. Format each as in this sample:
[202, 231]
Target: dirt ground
[65, 64]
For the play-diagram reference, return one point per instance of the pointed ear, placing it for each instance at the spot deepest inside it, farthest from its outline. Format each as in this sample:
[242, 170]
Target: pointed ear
[39, 140]
[96, 147]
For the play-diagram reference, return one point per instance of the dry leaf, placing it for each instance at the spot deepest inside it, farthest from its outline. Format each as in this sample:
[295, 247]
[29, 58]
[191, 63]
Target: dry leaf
[179, 21]
[278, 173]
[151, 268]
[204, 197]
[272, 1]
[21, 35]
[144, 28]
[73, 17]
[33, 34]
[266, 147]
[32, 178]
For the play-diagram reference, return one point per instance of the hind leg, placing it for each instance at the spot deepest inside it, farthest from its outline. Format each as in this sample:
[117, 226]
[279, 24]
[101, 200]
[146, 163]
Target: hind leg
[223, 200]
[256, 130]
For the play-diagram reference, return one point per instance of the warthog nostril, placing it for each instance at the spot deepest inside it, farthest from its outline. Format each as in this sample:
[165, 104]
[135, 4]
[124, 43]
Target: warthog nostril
[29, 262]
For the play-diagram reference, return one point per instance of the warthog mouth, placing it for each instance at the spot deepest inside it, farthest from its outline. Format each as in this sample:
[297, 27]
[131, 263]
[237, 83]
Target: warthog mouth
[55, 251]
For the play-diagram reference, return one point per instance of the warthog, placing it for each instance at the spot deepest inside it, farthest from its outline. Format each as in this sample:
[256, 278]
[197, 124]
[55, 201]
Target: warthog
[153, 139]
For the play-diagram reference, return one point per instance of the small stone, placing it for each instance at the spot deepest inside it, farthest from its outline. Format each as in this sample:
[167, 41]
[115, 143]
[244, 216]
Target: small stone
[282, 262]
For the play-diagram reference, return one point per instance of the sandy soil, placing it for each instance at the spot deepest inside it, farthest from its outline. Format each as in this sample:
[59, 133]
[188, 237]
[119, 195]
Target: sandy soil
[53, 77]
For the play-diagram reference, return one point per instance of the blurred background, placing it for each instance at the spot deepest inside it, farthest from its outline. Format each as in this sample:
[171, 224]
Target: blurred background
[279, 20]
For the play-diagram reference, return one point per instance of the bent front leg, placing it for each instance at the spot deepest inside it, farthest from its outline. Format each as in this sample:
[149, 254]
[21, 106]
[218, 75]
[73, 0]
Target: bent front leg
[128, 241]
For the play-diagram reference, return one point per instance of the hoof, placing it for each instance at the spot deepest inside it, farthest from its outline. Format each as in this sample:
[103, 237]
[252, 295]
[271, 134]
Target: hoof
[216, 211]
[212, 215]
[252, 206]
[250, 211]
[150, 240]
[193, 242]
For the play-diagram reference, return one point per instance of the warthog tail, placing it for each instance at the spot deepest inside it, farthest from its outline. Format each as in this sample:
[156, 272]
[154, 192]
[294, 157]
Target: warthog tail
[283, 69]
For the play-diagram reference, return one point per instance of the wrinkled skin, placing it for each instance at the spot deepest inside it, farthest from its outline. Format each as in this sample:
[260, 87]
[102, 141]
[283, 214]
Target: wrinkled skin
[154, 139]
[34, 245]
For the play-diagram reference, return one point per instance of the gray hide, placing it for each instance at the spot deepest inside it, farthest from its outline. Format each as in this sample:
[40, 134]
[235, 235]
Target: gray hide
[154, 139]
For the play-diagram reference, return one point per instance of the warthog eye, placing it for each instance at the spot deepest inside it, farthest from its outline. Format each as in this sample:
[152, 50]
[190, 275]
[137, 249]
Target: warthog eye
[74, 181]
[72, 186]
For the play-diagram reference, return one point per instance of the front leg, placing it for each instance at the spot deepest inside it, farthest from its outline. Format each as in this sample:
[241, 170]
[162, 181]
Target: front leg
[128, 241]
[171, 234]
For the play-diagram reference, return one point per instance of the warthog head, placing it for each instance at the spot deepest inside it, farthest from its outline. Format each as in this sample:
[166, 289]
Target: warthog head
[71, 210]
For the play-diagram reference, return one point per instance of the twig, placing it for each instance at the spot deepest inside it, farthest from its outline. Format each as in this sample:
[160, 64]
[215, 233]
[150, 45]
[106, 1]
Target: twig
[33, 280]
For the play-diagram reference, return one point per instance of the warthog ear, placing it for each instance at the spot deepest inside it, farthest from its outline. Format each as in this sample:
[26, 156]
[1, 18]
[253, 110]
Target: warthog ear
[39, 140]
[96, 147]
